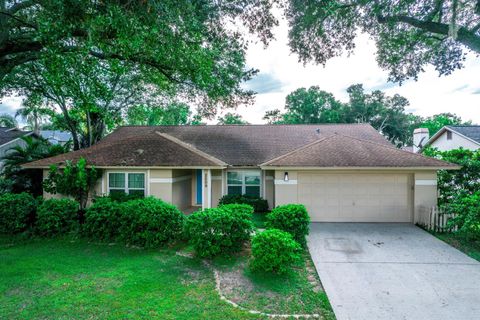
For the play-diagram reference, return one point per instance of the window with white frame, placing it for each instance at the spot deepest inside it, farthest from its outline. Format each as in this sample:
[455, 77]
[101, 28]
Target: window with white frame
[244, 182]
[125, 182]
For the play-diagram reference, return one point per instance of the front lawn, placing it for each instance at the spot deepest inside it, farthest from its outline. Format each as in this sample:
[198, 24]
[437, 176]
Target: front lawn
[471, 248]
[73, 279]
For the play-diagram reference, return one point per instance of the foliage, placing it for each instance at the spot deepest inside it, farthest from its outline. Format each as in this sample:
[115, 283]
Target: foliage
[29, 149]
[384, 113]
[122, 196]
[57, 216]
[91, 60]
[172, 114]
[438, 121]
[259, 204]
[274, 250]
[452, 183]
[33, 112]
[219, 230]
[149, 222]
[102, 220]
[292, 218]
[74, 180]
[7, 121]
[408, 34]
[17, 212]
[467, 209]
[231, 118]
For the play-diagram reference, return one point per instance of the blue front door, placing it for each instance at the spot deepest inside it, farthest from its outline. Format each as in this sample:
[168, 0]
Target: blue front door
[199, 186]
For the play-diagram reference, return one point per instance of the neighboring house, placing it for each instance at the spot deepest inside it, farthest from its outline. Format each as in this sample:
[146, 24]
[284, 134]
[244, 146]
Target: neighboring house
[56, 136]
[9, 138]
[341, 172]
[448, 138]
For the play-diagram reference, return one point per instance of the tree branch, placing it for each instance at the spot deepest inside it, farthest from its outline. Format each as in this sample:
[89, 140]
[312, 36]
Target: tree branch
[21, 5]
[464, 36]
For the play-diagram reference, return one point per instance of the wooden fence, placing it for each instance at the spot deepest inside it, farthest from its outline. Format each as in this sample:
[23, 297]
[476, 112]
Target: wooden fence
[434, 219]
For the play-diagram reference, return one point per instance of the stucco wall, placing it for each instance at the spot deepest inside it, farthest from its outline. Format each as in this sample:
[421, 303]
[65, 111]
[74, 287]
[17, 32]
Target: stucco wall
[217, 177]
[285, 191]
[160, 184]
[425, 191]
[269, 188]
[442, 144]
[181, 188]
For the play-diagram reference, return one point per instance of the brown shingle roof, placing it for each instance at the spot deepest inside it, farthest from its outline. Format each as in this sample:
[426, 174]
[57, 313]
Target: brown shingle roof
[343, 151]
[242, 145]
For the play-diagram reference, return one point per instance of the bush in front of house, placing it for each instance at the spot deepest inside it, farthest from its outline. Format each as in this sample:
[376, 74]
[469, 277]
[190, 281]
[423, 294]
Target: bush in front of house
[57, 216]
[274, 251]
[292, 218]
[219, 230]
[123, 197]
[258, 204]
[466, 208]
[102, 220]
[149, 222]
[17, 212]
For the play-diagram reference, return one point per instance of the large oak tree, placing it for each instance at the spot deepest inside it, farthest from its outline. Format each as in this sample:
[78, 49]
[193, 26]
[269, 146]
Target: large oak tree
[409, 34]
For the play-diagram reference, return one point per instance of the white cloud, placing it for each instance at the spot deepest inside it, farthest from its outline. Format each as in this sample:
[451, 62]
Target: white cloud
[458, 93]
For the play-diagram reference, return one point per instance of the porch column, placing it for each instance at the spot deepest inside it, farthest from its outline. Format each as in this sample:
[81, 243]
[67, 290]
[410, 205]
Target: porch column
[207, 188]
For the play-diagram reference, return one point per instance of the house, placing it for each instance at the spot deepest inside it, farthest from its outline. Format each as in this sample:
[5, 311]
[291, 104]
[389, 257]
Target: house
[9, 138]
[56, 136]
[448, 138]
[340, 172]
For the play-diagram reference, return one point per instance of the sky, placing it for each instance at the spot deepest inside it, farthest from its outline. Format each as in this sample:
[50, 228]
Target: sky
[280, 73]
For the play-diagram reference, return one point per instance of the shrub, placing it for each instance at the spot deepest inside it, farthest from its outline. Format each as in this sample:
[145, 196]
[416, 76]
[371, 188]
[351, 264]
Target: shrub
[17, 212]
[102, 220]
[292, 218]
[57, 216]
[467, 210]
[274, 250]
[219, 230]
[149, 222]
[258, 204]
[123, 197]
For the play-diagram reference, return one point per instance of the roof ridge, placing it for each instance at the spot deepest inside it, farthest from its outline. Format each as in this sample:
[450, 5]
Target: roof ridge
[297, 149]
[191, 148]
[244, 125]
[395, 148]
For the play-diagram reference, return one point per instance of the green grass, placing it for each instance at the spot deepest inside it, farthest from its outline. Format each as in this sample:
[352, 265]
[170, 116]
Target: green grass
[73, 279]
[469, 247]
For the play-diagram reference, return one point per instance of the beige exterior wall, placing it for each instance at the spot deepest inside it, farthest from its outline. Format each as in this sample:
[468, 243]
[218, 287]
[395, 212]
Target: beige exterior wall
[425, 191]
[181, 188]
[457, 141]
[269, 189]
[285, 191]
[160, 185]
[217, 184]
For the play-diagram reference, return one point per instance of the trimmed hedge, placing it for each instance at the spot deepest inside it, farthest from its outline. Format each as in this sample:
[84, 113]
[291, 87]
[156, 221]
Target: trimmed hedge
[123, 197]
[258, 204]
[292, 218]
[149, 222]
[102, 220]
[57, 216]
[274, 250]
[219, 230]
[17, 212]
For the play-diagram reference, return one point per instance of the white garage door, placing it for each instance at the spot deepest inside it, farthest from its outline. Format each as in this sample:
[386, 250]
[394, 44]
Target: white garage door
[381, 197]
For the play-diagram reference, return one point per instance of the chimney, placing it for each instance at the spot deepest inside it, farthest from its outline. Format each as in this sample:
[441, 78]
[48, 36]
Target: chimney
[420, 137]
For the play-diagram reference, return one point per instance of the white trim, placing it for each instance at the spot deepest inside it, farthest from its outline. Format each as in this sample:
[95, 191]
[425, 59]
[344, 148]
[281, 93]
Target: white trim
[170, 180]
[441, 132]
[126, 188]
[103, 184]
[363, 168]
[209, 187]
[223, 182]
[203, 190]
[148, 184]
[280, 181]
[264, 176]
[425, 182]
[243, 185]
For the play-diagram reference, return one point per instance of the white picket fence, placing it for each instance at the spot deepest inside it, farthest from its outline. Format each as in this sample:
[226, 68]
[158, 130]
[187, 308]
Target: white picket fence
[434, 219]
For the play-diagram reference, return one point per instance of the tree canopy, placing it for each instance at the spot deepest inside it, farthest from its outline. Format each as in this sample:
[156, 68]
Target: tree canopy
[231, 118]
[174, 113]
[385, 113]
[408, 34]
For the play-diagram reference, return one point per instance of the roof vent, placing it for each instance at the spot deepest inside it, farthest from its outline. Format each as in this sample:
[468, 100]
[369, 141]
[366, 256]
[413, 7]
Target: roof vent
[317, 130]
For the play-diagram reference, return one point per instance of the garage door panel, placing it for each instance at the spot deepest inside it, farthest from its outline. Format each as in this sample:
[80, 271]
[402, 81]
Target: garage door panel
[376, 197]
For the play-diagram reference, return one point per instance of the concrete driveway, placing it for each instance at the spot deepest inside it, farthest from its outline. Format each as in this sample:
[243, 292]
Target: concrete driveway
[393, 271]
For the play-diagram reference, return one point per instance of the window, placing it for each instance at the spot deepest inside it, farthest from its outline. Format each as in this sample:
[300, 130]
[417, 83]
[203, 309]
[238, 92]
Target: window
[129, 183]
[449, 135]
[243, 182]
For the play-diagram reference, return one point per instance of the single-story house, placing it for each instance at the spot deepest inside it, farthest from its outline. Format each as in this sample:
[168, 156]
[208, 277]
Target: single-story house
[448, 138]
[340, 172]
